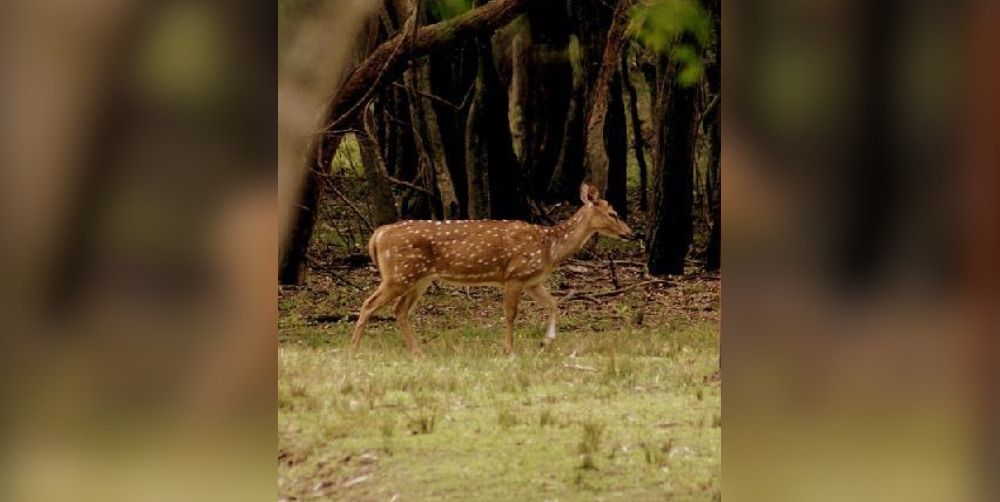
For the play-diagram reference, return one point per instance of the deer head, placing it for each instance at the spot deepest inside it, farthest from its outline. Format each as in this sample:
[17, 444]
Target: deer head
[600, 216]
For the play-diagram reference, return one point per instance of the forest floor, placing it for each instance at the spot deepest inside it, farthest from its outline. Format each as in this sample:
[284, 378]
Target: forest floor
[623, 405]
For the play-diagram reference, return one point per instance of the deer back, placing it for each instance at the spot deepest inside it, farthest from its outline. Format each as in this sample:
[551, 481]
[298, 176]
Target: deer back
[463, 252]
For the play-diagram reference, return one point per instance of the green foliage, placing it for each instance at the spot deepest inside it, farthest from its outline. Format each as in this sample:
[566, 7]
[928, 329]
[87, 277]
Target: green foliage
[441, 10]
[678, 28]
[347, 160]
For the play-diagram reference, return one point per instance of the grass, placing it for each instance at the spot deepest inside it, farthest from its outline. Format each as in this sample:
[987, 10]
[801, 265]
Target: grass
[617, 409]
[622, 413]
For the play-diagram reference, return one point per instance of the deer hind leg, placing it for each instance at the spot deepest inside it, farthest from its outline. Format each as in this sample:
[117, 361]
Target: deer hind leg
[383, 295]
[402, 312]
[541, 295]
[511, 297]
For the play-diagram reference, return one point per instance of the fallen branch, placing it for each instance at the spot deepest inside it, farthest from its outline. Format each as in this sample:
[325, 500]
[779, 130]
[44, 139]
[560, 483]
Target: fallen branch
[630, 288]
[592, 263]
[333, 273]
[588, 369]
[593, 297]
[576, 295]
[351, 317]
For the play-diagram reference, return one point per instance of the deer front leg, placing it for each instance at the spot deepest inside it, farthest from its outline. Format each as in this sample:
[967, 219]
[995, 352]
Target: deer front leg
[541, 296]
[511, 297]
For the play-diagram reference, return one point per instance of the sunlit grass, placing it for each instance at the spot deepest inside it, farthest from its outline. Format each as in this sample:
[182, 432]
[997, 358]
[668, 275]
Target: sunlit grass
[616, 413]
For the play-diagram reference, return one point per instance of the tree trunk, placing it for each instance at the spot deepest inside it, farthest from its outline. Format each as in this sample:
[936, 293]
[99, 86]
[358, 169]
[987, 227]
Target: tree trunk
[430, 146]
[451, 81]
[521, 92]
[491, 166]
[597, 156]
[713, 122]
[544, 91]
[638, 143]
[568, 173]
[649, 71]
[713, 252]
[670, 228]
[294, 257]
[477, 147]
[383, 202]
[616, 146]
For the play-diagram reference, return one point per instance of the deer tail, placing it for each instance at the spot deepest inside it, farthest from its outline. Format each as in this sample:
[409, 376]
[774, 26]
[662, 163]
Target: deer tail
[372, 249]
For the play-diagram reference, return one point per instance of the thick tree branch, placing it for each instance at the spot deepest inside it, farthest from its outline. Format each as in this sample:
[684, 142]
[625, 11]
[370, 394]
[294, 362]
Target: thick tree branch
[389, 60]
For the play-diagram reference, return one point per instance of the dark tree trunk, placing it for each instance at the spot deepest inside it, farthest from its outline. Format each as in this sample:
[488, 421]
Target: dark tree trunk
[597, 157]
[430, 145]
[638, 143]
[294, 257]
[477, 145]
[590, 22]
[452, 78]
[545, 91]
[568, 174]
[413, 204]
[490, 152]
[376, 176]
[713, 252]
[616, 145]
[713, 124]
[649, 75]
[670, 228]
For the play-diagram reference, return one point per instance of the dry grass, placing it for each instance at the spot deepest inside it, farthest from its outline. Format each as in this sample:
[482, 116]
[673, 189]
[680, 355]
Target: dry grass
[466, 423]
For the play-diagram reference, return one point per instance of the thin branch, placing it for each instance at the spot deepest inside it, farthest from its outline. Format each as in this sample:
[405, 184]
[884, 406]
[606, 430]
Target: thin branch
[595, 297]
[578, 296]
[411, 186]
[430, 96]
[578, 367]
[353, 207]
[708, 108]
[342, 132]
[590, 263]
[333, 273]
[630, 288]
[614, 273]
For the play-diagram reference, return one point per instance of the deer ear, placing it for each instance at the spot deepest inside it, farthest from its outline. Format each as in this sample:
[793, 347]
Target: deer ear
[585, 191]
[594, 195]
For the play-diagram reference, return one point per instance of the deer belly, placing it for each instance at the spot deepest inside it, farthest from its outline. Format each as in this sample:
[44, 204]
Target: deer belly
[471, 278]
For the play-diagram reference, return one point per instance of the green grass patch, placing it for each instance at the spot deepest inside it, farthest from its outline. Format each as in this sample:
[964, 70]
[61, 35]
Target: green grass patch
[615, 414]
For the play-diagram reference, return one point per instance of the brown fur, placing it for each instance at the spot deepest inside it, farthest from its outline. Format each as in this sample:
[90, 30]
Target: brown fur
[511, 254]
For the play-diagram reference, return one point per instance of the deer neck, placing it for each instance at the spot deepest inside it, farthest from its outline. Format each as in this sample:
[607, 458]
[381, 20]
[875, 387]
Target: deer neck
[570, 236]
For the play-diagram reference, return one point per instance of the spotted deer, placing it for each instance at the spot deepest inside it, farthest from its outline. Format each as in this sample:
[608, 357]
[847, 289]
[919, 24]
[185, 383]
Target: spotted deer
[514, 255]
